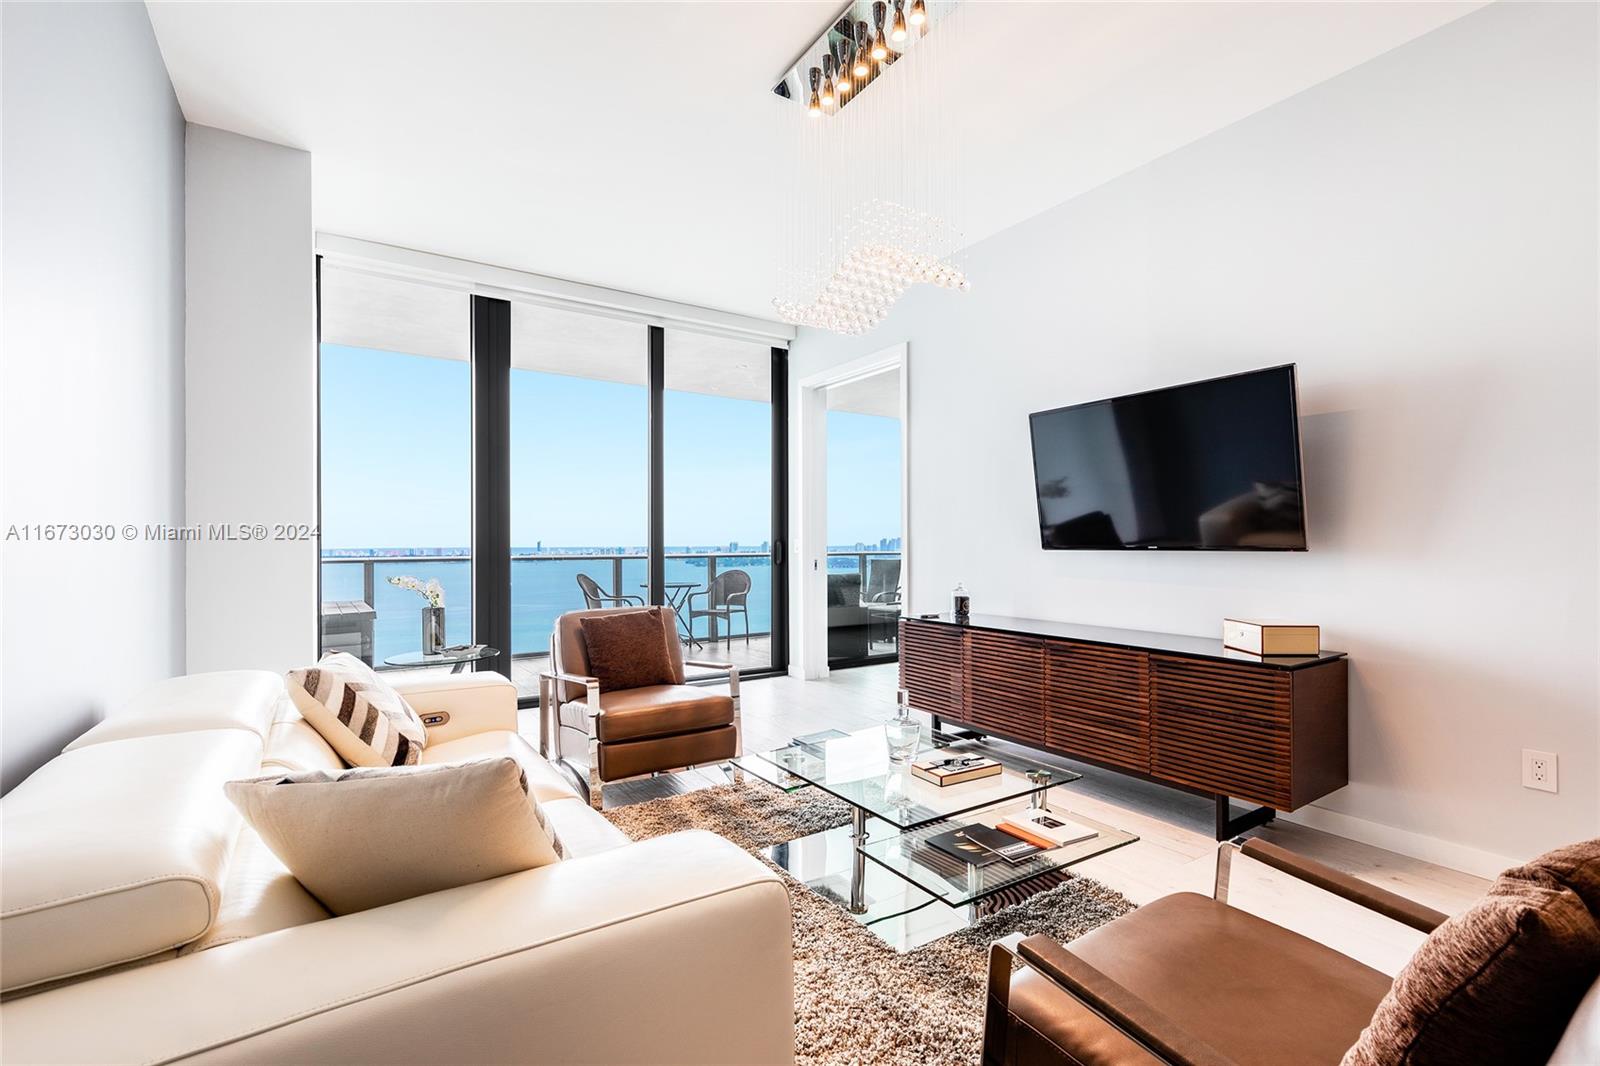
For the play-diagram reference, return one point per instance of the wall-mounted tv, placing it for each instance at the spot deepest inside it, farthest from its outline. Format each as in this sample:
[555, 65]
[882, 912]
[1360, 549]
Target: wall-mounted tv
[1208, 466]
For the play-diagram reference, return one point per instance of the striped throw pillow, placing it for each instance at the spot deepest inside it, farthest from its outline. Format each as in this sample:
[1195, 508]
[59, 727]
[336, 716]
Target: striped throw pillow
[363, 719]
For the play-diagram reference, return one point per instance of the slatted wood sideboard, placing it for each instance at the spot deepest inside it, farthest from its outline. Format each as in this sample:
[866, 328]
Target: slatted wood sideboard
[1180, 710]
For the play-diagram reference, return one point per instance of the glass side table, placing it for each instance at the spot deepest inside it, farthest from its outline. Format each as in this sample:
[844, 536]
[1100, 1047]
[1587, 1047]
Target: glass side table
[457, 659]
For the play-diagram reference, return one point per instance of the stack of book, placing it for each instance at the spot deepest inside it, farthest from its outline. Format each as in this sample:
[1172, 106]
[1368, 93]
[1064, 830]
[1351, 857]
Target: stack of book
[1015, 839]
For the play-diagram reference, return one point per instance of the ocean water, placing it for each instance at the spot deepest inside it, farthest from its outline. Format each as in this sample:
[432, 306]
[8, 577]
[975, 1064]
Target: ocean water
[541, 589]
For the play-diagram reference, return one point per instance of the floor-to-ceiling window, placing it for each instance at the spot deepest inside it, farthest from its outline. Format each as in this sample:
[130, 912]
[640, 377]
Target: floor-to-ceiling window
[864, 531]
[718, 488]
[580, 445]
[395, 397]
[445, 415]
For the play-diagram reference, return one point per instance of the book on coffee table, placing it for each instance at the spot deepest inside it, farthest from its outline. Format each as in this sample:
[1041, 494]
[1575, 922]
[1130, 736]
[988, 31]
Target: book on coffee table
[945, 768]
[1045, 828]
[980, 845]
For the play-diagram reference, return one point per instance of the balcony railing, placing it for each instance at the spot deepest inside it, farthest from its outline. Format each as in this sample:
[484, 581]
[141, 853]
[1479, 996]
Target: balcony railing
[363, 614]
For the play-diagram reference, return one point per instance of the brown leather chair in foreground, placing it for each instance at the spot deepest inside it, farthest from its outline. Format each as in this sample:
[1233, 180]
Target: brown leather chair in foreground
[612, 732]
[1192, 981]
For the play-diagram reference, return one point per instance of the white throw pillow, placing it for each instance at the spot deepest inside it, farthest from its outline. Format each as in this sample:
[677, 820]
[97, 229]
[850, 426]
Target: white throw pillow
[365, 720]
[364, 838]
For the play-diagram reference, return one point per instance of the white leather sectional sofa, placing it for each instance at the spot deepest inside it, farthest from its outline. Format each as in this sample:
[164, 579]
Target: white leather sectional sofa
[143, 922]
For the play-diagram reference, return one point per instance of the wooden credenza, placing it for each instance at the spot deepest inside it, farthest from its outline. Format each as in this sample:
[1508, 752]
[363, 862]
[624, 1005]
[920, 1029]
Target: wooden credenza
[1181, 710]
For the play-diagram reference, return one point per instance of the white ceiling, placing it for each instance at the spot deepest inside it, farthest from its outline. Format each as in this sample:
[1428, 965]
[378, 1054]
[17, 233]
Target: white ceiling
[638, 145]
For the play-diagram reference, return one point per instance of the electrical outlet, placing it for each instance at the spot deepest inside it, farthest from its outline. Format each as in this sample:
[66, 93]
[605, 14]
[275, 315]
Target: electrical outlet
[1539, 770]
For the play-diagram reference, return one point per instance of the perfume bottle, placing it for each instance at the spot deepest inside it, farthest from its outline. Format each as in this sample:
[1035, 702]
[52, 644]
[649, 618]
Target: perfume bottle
[960, 603]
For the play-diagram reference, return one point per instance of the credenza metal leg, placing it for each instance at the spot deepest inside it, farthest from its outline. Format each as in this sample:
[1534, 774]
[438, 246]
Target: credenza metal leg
[1230, 826]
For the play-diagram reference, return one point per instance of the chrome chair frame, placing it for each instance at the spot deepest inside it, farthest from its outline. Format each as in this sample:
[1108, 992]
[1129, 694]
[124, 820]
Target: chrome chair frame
[550, 704]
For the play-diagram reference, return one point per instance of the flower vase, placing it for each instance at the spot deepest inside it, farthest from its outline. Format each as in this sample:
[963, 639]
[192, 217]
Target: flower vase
[432, 630]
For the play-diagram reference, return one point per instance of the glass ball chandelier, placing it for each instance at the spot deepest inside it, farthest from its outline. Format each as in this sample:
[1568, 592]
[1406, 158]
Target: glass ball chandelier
[875, 178]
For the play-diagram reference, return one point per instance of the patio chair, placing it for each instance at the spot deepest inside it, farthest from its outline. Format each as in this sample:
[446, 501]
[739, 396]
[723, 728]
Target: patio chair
[725, 596]
[594, 597]
[883, 581]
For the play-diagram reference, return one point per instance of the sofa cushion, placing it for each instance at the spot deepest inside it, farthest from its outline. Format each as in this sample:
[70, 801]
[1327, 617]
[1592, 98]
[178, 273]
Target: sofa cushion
[1496, 983]
[117, 851]
[629, 649]
[259, 896]
[367, 722]
[662, 710]
[364, 838]
[545, 782]
[294, 745]
[226, 699]
[580, 829]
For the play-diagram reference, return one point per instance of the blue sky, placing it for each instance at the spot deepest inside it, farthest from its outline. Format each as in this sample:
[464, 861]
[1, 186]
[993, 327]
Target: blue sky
[397, 450]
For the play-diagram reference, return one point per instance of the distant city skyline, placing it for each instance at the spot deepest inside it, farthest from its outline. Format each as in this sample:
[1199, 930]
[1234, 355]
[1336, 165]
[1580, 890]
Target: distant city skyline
[396, 461]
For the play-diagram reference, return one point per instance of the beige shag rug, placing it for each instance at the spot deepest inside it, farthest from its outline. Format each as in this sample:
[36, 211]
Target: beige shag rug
[857, 1000]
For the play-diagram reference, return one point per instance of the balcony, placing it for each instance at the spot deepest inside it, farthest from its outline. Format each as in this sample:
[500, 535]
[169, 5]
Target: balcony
[373, 620]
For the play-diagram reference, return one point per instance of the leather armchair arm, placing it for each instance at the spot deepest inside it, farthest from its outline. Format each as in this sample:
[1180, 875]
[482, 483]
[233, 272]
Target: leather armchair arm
[1117, 1005]
[676, 949]
[469, 703]
[1341, 884]
[722, 668]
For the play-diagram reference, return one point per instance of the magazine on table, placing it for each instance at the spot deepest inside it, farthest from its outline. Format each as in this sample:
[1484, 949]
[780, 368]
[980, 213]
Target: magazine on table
[980, 845]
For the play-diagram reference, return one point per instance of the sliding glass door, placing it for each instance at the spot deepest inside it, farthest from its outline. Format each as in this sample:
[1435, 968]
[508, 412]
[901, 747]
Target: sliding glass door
[534, 459]
[580, 446]
[718, 477]
[864, 521]
[395, 399]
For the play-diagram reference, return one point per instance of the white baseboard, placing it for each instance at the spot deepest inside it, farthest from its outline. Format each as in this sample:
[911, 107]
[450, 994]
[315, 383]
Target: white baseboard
[1417, 845]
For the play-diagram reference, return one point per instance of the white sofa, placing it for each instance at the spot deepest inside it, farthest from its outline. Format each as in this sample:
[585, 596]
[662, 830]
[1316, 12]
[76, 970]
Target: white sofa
[143, 922]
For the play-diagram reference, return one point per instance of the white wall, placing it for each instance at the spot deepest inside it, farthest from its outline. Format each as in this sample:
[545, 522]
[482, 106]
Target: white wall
[1419, 235]
[93, 368]
[251, 413]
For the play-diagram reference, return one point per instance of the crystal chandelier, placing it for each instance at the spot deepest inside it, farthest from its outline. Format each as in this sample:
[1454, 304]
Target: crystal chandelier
[875, 178]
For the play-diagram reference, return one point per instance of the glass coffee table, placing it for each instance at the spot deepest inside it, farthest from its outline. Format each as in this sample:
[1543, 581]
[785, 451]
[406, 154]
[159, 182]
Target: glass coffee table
[880, 867]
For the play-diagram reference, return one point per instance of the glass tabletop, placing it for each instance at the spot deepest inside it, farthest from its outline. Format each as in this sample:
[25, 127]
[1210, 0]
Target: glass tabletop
[447, 657]
[958, 883]
[855, 767]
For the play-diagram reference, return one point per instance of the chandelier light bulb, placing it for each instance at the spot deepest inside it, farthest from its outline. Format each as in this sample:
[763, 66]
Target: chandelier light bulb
[919, 13]
[880, 50]
[814, 106]
[897, 32]
[827, 81]
[863, 48]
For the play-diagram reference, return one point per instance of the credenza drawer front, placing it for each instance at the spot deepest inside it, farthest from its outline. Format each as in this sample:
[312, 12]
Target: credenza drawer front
[1222, 728]
[930, 668]
[1005, 684]
[1097, 703]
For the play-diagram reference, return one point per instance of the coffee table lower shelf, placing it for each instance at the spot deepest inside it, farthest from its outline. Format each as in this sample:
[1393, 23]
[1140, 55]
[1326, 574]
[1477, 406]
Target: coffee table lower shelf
[908, 897]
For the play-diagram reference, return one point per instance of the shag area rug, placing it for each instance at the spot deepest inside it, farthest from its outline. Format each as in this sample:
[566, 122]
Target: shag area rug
[857, 1000]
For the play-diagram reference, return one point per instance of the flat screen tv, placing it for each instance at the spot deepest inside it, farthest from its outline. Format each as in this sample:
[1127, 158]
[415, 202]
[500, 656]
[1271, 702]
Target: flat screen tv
[1208, 466]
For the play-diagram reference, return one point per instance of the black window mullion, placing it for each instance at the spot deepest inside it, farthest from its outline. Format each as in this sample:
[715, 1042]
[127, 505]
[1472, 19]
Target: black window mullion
[491, 479]
[780, 509]
[658, 522]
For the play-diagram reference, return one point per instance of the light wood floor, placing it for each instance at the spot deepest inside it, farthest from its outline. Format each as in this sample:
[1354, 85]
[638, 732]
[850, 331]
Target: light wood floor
[1175, 851]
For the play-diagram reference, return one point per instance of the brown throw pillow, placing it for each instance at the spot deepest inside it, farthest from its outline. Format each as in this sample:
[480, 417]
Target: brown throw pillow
[629, 649]
[1576, 866]
[1496, 983]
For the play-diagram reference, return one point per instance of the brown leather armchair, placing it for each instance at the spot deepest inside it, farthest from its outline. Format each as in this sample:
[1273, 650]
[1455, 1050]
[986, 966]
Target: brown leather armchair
[634, 732]
[1190, 980]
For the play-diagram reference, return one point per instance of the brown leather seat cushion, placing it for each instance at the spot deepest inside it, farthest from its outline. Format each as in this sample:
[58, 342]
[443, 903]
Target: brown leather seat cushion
[1255, 991]
[661, 710]
[630, 757]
